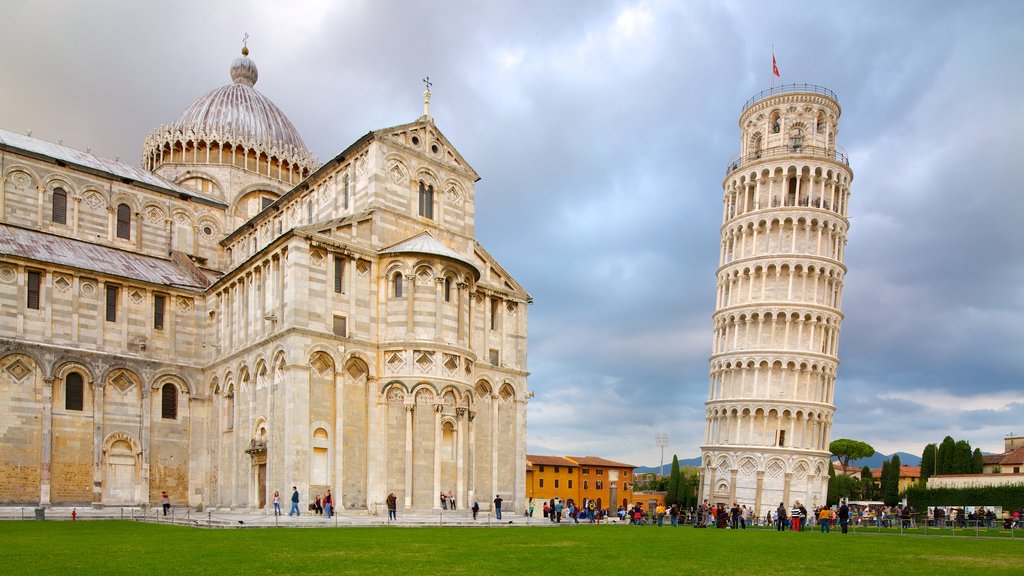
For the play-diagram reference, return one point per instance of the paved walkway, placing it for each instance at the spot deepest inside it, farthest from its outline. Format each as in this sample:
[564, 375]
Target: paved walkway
[226, 518]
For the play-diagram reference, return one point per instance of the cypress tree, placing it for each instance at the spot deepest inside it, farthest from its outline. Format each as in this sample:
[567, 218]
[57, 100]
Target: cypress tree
[672, 493]
[928, 462]
[961, 458]
[978, 462]
[832, 495]
[944, 457]
[867, 484]
[883, 480]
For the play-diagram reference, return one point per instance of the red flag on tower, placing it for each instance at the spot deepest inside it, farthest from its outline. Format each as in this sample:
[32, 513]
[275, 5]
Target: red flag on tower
[775, 67]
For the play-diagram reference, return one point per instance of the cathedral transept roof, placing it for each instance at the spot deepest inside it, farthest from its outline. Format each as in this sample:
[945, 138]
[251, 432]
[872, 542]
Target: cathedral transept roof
[49, 248]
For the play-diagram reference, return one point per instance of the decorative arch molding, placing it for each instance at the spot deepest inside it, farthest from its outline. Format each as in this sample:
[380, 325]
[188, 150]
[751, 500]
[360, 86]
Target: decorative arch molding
[395, 264]
[394, 391]
[42, 366]
[264, 186]
[320, 348]
[122, 197]
[169, 378]
[113, 437]
[428, 176]
[425, 386]
[66, 365]
[30, 177]
[507, 392]
[121, 376]
[58, 179]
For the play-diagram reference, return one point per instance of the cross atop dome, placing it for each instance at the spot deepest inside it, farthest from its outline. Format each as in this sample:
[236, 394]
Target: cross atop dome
[426, 97]
[243, 70]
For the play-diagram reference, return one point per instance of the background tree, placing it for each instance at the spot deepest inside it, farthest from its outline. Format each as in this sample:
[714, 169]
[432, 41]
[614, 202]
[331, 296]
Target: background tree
[928, 462]
[689, 477]
[977, 462]
[672, 493]
[845, 450]
[832, 495]
[883, 479]
[867, 484]
[944, 457]
[891, 482]
[961, 458]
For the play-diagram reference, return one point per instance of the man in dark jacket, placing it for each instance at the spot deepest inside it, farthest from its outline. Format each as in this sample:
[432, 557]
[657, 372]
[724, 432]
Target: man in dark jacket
[844, 515]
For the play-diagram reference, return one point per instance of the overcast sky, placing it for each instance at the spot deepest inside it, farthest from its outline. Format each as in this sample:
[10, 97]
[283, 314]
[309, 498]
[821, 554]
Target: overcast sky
[601, 131]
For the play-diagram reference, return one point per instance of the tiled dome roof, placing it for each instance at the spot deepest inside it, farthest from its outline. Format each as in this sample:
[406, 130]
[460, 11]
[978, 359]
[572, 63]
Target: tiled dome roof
[239, 109]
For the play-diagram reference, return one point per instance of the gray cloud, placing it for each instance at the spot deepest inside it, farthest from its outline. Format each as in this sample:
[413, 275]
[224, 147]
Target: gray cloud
[601, 131]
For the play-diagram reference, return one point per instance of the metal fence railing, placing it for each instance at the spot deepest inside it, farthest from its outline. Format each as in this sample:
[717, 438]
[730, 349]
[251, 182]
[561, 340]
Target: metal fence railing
[786, 89]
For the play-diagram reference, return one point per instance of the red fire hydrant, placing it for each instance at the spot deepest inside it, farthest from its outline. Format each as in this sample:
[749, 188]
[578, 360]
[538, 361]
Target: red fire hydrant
[74, 514]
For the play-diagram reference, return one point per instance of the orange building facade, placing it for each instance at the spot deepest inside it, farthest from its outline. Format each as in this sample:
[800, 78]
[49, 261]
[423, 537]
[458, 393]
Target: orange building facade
[577, 478]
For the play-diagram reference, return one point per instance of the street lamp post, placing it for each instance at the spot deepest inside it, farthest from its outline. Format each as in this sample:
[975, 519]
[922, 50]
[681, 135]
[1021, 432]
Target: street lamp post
[661, 440]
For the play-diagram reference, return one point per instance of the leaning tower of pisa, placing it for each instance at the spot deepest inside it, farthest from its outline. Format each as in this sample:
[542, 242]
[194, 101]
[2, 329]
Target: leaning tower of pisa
[777, 314]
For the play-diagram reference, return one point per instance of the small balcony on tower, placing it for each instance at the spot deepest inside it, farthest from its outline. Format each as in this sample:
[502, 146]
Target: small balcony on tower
[794, 148]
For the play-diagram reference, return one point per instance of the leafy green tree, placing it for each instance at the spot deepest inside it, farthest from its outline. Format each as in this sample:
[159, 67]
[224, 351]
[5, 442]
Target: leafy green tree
[672, 495]
[845, 450]
[977, 462]
[843, 486]
[944, 457]
[961, 457]
[928, 462]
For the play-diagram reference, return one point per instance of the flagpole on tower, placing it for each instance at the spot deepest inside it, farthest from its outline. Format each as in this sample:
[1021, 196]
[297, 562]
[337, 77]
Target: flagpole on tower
[775, 68]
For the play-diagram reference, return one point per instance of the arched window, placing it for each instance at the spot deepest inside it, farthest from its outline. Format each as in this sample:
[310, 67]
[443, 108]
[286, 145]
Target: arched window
[755, 146]
[169, 402]
[821, 122]
[319, 465]
[396, 282]
[229, 408]
[74, 391]
[426, 200]
[124, 221]
[447, 288]
[775, 122]
[60, 206]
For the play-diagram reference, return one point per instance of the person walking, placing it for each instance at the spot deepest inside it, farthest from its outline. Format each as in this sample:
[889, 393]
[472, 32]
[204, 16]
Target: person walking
[277, 503]
[392, 507]
[844, 516]
[328, 504]
[497, 506]
[780, 517]
[825, 519]
[295, 502]
[165, 501]
[476, 507]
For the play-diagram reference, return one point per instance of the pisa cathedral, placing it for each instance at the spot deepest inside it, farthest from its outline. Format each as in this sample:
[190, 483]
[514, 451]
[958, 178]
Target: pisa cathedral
[777, 315]
[236, 318]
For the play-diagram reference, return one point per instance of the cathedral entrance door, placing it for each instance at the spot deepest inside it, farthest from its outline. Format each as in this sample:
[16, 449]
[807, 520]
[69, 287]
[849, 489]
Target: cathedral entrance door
[261, 483]
[119, 487]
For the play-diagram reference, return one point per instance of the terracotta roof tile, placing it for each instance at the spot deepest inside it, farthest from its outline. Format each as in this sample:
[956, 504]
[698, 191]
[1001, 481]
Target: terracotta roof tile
[598, 461]
[539, 460]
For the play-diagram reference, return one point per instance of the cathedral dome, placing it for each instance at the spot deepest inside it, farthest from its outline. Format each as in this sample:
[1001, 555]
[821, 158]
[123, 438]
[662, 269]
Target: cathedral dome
[238, 116]
[240, 110]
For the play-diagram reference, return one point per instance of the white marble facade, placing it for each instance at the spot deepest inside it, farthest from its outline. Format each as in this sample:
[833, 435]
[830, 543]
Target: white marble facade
[236, 318]
[777, 315]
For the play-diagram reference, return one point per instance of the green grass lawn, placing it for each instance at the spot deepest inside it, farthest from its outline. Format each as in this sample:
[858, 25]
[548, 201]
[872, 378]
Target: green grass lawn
[123, 547]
